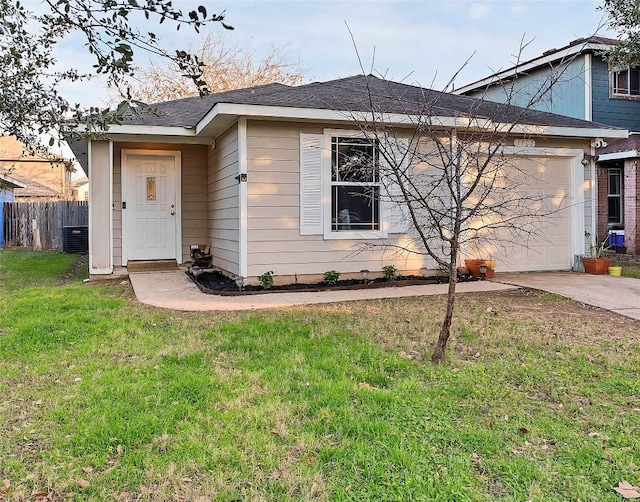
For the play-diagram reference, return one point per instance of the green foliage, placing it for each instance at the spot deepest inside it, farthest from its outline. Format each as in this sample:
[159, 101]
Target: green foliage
[624, 18]
[266, 279]
[536, 402]
[331, 277]
[31, 99]
[390, 273]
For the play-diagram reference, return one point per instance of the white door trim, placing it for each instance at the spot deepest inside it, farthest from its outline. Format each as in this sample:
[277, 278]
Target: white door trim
[125, 195]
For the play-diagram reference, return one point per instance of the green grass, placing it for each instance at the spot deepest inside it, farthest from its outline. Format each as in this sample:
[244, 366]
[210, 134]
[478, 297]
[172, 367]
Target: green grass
[631, 270]
[537, 400]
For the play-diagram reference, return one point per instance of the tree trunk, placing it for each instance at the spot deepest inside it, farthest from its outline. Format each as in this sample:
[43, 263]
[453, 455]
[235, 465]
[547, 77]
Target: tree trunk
[438, 352]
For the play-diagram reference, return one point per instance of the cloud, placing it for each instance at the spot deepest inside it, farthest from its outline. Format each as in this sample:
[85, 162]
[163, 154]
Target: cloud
[479, 11]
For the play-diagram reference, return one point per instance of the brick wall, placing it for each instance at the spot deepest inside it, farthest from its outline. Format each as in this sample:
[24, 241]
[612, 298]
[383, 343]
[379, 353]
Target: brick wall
[630, 206]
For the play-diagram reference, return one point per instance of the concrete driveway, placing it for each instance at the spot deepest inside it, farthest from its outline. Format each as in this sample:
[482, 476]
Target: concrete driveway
[617, 294]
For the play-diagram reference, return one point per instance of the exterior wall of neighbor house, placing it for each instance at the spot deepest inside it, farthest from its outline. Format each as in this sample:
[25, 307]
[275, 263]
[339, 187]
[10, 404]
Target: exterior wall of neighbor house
[223, 207]
[53, 175]
[619, 112]
[193, 193]
[273, 213]
[567, 96]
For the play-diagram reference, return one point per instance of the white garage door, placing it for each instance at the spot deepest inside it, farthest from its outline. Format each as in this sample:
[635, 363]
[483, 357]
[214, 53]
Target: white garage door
[547, 178]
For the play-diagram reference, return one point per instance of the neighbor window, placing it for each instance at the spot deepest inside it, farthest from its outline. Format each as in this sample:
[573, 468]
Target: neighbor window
[355, 184]
[614, 196]
[627, 82]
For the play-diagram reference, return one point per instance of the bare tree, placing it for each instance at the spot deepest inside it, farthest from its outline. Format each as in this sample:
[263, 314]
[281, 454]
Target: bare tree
[225, 67]
[448, 171]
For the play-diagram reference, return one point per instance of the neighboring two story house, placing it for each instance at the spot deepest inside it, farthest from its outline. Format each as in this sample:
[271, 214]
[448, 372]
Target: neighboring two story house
[585, 87]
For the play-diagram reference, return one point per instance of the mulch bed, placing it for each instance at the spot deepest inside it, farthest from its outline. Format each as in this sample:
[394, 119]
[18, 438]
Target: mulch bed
[219, 284]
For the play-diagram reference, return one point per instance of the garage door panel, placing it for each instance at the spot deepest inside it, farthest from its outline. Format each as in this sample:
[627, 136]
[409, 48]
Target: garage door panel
[549, 248]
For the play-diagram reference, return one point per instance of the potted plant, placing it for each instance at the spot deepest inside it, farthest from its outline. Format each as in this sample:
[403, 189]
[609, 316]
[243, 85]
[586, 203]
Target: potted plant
[480, 268]
[615, 269]
[597, 263]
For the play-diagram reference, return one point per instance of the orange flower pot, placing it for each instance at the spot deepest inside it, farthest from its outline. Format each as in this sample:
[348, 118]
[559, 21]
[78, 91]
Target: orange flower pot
[473, 266]
[596, 266]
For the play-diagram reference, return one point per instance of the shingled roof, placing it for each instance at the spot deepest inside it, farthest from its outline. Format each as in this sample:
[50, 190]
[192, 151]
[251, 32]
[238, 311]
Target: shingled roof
[359, 93]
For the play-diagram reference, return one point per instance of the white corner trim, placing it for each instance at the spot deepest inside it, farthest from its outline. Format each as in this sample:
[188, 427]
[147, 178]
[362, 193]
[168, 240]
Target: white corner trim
[111, 264]
[242, 169]
[92, 269]
[588, 87]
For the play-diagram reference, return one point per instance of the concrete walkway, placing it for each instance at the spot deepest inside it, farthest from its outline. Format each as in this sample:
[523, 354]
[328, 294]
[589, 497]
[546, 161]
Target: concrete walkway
[174, 290]
[617, 294]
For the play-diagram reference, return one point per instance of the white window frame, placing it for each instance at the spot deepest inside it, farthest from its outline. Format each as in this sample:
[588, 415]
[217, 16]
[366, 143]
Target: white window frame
[614, 195]
[327, 183]
[626, 93]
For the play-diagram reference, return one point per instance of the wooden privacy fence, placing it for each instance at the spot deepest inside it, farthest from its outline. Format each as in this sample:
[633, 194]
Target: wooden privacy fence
[50, 217]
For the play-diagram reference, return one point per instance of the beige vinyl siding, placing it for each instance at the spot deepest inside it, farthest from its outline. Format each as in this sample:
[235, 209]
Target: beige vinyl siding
[223, 202]
[274, 240]
[193, 193]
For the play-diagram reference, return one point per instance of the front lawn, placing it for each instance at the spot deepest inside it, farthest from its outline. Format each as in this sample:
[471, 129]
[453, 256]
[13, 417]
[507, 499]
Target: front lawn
[106, 399]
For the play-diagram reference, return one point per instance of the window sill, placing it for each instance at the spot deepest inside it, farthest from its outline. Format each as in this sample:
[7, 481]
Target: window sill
[625, 97]
[355, 235]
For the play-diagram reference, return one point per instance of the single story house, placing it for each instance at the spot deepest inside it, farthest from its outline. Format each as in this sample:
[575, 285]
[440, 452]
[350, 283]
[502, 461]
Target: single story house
[249, 172]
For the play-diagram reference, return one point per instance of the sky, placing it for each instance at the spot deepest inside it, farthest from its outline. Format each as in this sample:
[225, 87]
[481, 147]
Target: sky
[417, 42]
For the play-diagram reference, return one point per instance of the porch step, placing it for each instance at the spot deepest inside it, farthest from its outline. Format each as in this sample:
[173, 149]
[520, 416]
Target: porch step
[151, 266]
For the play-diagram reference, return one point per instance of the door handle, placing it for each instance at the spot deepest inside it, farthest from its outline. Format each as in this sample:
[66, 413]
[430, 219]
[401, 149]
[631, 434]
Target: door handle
[173, 213]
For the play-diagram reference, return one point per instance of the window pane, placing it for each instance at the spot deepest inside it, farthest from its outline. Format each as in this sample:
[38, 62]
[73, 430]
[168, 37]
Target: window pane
[353, 160]
[621, 84]
[634, 82]
[614, 182]
[615, 210]
[355, 208]
[151, 188]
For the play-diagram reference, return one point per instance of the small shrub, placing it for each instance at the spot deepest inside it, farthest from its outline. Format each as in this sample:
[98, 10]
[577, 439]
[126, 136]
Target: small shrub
[266, 279]
[331, 277]
[390, 273]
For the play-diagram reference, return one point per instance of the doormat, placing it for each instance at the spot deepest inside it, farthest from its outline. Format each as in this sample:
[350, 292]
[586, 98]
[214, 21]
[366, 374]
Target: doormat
[152, 266]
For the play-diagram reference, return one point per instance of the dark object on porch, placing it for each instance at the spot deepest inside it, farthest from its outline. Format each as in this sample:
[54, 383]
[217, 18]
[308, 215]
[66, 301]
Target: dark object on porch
[200, 255]
[75, 239]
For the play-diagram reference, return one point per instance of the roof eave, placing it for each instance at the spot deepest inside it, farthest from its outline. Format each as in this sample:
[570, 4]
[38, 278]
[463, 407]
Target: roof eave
[532, 64]
[627, 154]
[228, 111]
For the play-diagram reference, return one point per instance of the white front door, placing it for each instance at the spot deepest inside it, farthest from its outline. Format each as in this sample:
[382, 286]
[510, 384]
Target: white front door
[150, 206]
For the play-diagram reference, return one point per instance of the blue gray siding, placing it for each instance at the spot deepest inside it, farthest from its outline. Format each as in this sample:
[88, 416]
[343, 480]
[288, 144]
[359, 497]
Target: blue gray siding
[566, 97]
[618, 112]
[6, 195]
